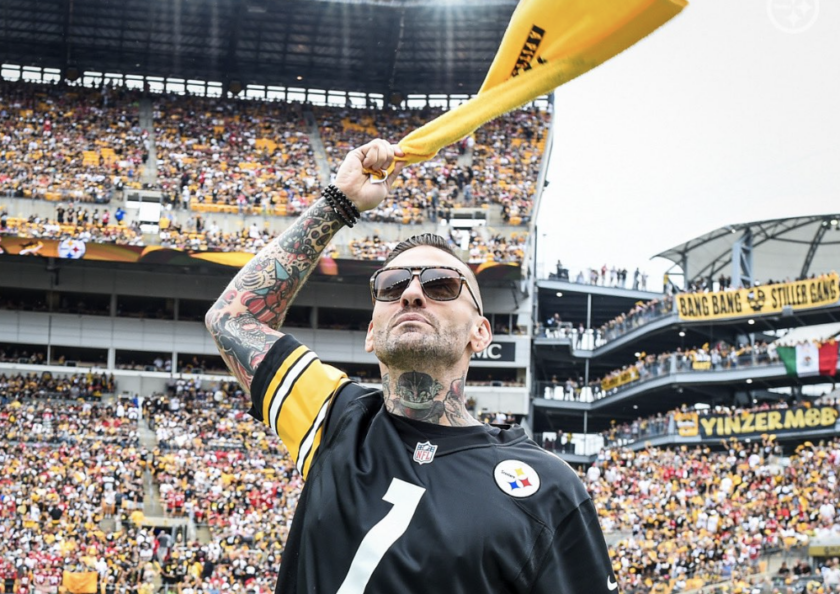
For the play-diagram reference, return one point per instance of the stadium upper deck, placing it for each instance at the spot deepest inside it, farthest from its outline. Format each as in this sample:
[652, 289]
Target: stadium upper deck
[212, 157]
[606, 355]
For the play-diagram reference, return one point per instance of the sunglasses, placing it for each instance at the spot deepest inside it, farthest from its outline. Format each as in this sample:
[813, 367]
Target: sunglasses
[439, 283]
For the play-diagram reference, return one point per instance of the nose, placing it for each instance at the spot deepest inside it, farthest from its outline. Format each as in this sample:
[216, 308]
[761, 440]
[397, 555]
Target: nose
[413, 295]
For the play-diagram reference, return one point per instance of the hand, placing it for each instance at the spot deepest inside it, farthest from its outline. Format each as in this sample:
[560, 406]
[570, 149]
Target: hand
[377, 155]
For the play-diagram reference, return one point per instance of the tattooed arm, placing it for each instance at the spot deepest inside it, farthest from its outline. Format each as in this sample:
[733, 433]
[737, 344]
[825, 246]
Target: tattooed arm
[245, 320]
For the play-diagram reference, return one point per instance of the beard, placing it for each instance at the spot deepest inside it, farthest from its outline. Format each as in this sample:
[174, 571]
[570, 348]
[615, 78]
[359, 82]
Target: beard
[405, 348]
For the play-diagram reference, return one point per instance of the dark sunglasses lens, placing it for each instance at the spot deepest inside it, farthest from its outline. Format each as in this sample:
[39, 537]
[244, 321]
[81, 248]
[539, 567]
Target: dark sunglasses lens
[441, 284]
[389, 285]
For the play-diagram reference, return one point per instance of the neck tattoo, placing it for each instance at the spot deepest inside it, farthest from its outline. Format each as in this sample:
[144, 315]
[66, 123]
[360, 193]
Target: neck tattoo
[415, 397]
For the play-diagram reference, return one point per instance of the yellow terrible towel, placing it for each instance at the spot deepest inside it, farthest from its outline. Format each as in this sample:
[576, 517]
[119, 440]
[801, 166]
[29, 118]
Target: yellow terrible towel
[547, 43]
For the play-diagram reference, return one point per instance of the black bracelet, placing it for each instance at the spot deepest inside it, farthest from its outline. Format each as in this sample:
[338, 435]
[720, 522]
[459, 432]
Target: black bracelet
[338, 210]
[342, 199]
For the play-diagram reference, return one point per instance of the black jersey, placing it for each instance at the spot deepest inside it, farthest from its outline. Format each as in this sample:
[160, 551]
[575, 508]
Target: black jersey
[396, 505]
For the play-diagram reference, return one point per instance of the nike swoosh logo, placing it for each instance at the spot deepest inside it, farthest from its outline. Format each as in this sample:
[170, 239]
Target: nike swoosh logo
[611, 585]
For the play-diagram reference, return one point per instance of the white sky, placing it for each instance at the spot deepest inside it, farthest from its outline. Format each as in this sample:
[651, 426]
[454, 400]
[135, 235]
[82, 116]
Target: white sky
[718, 117]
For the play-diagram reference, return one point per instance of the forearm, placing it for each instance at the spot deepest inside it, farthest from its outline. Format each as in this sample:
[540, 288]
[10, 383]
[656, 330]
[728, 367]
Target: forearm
[245, 319]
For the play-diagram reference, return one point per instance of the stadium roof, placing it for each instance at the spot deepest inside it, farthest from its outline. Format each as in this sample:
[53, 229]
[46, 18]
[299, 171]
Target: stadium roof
[781, 249]
[381, 46]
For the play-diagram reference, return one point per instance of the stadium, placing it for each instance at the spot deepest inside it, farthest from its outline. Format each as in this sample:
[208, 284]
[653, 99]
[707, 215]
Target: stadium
[150, 149]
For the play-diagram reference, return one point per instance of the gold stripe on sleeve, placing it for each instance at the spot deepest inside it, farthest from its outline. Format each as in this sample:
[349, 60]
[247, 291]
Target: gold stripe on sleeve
[271, 390]
[306, 397]
[319, 433]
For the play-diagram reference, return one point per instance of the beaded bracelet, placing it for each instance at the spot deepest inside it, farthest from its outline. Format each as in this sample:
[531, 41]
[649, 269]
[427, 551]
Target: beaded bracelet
[342, 200]
[338, 209]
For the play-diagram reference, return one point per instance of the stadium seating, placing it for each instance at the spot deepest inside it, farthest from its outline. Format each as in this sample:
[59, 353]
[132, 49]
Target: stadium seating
[227, 156]
[69, 143]
[685, 516]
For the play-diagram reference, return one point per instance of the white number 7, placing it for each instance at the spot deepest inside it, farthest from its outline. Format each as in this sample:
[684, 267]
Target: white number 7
[405, 497]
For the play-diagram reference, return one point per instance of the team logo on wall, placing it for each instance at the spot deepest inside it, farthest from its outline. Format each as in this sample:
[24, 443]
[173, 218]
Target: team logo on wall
[756, 299]
[516, 478]
[72, 249]
[424, 452]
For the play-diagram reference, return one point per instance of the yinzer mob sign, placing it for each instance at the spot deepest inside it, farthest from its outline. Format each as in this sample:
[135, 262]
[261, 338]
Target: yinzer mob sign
[765, 299]
[747, 424]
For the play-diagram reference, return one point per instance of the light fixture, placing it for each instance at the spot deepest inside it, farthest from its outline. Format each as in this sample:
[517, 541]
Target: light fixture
[637, 354]
[559, 293]
[635, 407]
[749, 381]
[750, 322]
[300, 78]
[682, 332]
[834, 222]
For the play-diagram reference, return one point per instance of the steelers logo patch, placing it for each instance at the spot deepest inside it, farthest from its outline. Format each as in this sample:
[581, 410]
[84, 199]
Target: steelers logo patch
[516, 478]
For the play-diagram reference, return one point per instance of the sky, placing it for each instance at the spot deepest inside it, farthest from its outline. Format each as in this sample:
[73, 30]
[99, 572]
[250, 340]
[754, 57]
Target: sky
[729, 113]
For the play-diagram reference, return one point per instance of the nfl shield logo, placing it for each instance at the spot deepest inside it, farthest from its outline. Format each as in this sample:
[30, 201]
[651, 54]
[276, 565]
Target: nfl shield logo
[424, 453]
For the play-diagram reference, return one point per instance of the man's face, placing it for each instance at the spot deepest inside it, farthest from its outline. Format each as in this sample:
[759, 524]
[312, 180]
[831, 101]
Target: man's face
[417, 330]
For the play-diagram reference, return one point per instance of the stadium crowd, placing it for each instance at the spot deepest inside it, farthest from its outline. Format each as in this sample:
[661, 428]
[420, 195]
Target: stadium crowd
[695, 516]
[234, 155]
[69, 143]
[475, 246]
[605, 276]
[688, 515]
[88, 386]
[707, 357]
[639, 315]
[221, 155]
[75, 222]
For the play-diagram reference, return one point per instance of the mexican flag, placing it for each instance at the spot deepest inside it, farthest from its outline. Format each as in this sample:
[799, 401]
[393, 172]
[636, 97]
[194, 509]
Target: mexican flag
[809, 359]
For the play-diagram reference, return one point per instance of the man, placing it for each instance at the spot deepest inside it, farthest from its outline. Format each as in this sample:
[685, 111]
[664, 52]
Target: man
[405, 491]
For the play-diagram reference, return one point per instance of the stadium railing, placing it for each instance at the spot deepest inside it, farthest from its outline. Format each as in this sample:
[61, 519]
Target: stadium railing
[674, 364]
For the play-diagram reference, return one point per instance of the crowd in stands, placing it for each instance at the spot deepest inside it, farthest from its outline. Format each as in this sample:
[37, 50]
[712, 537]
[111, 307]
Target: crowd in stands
[74, 222]
[52, 499]
[221, 155]
[688, 516]
[69, 143]
[604, 276]
[639, 315]
[498, 167]
[234, 155]
[217, 467]
[87, 386]
[475, 246]
[64, 423]
[19, 355]
[695, 516]
[707, 357]
[724, 283]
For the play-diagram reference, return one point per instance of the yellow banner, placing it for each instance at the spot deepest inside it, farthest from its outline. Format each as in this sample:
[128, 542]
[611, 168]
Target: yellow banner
[816, 550]
[766, 299]
[625, 377]
[686, 424]
[547, 43]
[755, 423]
[80, 583]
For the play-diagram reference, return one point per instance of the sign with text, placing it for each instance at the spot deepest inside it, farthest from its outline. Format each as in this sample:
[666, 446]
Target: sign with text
[761, 300]
[497, 351]
[631, 374]
[754, 423]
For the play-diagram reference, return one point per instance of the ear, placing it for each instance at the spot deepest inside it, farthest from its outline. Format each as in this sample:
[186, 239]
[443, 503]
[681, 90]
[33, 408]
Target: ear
[369, 338]
[480, 335]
